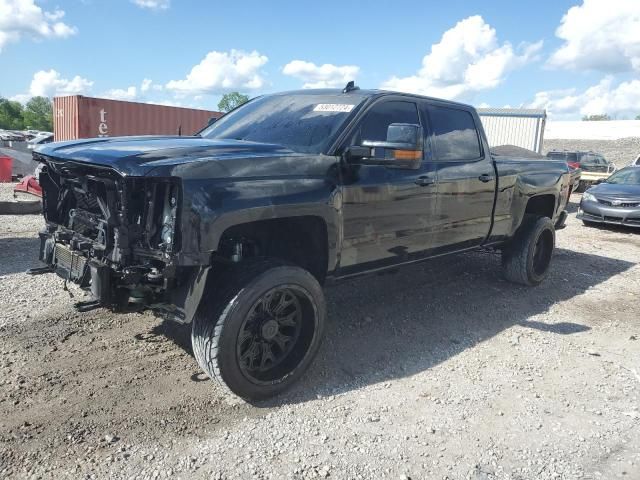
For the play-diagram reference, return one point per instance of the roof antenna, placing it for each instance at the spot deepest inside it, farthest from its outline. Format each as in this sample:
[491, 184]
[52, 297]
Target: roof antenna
[350, 87]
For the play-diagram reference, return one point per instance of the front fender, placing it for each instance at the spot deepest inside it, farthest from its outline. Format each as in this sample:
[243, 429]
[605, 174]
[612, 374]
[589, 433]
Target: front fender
[211, 208]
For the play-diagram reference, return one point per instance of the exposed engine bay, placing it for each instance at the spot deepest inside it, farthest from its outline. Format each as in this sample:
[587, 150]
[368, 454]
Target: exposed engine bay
[111, 234]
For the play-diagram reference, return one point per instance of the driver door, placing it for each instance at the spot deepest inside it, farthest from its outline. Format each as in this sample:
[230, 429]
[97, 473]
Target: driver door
[388, 210]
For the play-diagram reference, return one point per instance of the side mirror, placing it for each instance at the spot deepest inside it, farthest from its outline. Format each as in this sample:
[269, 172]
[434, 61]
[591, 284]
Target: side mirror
[403, 148]
[356, 154]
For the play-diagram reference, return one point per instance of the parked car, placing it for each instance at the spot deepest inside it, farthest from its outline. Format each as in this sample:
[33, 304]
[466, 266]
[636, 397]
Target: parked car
[17, 136]
[235, 231]
[593, 166]
[40, 140]
[616, 200]
[10, 136]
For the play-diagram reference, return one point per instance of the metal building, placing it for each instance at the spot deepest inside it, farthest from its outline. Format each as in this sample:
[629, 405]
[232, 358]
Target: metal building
[514, 126]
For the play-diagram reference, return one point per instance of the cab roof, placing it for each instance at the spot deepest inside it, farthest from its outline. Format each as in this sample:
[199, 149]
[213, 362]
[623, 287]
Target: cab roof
[366, 93]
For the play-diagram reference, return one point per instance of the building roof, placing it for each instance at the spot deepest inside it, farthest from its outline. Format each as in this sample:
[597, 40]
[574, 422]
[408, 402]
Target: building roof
[512, 112]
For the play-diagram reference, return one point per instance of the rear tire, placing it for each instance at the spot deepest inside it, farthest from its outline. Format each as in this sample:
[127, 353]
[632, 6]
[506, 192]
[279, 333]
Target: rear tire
[259, 331]
[527, 258]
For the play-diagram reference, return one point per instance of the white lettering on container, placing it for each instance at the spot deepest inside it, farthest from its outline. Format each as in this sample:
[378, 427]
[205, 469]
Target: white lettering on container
[103, 128]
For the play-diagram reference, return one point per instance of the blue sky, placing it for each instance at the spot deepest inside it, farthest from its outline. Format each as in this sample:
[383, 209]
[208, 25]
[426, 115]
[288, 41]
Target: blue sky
[494, 52]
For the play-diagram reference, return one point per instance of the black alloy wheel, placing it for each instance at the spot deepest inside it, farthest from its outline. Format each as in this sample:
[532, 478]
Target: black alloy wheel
[270, 334]
[259, 326]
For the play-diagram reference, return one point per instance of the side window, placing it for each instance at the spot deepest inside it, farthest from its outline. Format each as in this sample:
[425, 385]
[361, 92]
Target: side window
[374, 125]
[572, 157]
[455, 133]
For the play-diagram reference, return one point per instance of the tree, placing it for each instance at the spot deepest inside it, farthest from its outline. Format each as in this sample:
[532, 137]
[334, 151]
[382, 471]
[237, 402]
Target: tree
[637, 117]
[38, 114]
[229, 101]
[11, 115]
[596, 118]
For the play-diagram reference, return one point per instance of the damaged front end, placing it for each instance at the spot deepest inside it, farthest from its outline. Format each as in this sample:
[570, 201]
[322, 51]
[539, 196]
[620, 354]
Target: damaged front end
[117, 237]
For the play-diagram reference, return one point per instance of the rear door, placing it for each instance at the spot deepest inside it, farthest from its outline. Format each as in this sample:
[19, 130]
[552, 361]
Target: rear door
[589, 163]
[466, 178]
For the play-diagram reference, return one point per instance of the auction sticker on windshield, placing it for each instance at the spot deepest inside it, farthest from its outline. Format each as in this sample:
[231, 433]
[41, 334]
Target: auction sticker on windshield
[333, 107]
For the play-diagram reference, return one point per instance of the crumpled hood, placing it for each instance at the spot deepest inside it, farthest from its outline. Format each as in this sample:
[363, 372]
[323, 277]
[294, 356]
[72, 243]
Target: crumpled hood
[139, 155]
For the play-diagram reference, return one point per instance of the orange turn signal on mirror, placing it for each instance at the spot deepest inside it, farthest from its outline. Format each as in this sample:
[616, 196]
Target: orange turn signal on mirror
[407, 154]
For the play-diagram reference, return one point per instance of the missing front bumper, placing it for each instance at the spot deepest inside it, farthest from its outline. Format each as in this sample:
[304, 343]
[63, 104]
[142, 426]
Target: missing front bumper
[173, 293]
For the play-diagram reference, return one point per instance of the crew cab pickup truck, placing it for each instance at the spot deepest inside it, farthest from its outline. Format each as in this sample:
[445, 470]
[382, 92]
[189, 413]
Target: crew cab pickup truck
[235, 230]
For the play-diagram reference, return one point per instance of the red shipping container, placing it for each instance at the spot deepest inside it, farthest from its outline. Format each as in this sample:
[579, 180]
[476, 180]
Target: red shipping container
[86, 117]
[6, 164]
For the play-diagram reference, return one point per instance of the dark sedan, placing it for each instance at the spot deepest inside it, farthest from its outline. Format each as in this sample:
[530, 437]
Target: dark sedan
[615, 201]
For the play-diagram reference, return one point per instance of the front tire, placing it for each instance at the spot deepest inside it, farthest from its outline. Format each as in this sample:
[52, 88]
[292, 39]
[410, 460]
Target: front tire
[527, 258]
[257, 333]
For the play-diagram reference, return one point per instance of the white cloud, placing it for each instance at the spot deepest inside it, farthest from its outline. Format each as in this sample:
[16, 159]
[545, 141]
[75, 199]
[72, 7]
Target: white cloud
[221, 72]
[467, 59]
[129, 94]
[146, 85]
[49, 83]
[24, 17]
[321, 76]
[600, 35]
[621, 100]
[153, 4]
[133, 93]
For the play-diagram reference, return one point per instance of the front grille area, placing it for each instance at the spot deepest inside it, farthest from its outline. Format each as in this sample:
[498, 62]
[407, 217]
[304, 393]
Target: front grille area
[72, 264]
[621, 205]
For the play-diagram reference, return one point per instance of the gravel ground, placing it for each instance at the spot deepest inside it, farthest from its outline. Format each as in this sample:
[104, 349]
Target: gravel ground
[622, 151]
[6, 192]
[440, 370]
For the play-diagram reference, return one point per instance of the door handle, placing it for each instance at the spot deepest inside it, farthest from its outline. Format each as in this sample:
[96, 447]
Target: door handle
[485, 177]
[424, 181]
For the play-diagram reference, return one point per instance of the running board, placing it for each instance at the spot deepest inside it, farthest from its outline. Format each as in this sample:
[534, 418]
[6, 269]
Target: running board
[87, 305]
[41, 270]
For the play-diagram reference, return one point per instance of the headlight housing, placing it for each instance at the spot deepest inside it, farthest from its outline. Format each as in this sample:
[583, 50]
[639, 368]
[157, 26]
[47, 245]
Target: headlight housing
[589, 197]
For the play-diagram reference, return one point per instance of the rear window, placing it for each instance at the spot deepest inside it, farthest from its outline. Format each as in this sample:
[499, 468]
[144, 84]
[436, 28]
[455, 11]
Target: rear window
[456, 137]
[557, 155]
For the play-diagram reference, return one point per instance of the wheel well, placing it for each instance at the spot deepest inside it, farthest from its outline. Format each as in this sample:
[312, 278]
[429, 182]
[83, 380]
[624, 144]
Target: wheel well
[302, 241]
[542, 205]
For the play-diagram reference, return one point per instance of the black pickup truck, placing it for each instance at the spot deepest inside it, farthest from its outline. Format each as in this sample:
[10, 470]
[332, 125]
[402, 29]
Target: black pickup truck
[234, 230]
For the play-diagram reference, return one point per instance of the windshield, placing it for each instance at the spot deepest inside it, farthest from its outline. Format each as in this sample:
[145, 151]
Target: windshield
[303, 123]
[629, 176]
